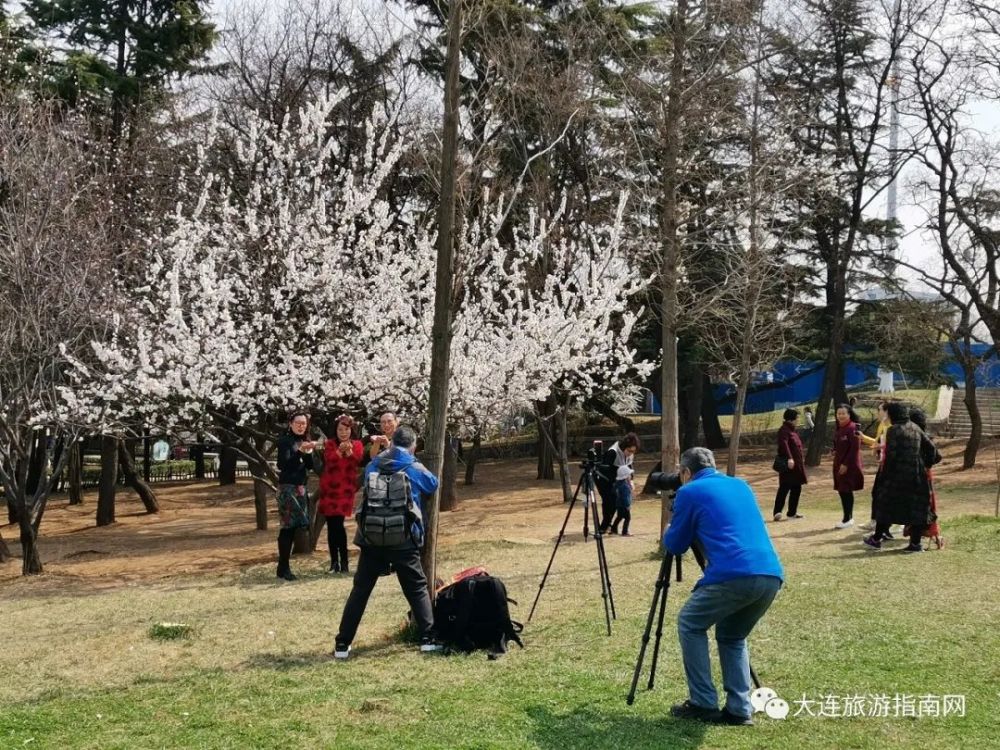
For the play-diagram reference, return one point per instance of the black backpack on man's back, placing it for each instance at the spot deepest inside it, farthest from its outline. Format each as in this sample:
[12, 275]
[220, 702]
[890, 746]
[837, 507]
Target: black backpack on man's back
[473, 614]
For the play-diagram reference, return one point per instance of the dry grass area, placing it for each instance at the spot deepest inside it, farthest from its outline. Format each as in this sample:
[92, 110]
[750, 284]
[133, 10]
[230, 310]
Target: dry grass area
[207, 529]
[81, 670]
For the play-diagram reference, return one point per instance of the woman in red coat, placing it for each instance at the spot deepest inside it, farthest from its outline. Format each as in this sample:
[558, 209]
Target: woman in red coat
[337, 487]
[848, 473]
[790, 480]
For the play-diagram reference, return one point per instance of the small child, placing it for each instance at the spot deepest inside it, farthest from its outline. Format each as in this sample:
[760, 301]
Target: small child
[623, 491]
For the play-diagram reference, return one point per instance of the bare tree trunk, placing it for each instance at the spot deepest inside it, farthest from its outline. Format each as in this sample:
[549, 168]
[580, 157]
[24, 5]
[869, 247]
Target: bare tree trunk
[831, 375]
[449, 476]
[975, 417]
[437, 406]
[564, 473]
[315, 529]
[143, 490]
[545, 413]
[109, 477]
[147, 458]
[670, 433]
[31, 563]
[74, 472]
[734, 434]
[227, 465]
[260, 493]
[471, 458]
[692, 393]
[11, 509]
[199, 458]
[4, 550]
[36, 461]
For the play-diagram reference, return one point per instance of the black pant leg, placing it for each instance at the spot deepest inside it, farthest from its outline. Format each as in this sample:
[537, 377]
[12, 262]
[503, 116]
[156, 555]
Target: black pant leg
[341, 540]
[916, 535]
[412, 580]
[779, 499]
[286, 538]
[371, 563]
[793, 500]
[331, 538]
[609, 501]
[626, 516]
[847, 503]
[880, 531]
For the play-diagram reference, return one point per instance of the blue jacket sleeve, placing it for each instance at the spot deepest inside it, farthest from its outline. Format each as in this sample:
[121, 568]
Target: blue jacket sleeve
[680, 532]
[425, 482]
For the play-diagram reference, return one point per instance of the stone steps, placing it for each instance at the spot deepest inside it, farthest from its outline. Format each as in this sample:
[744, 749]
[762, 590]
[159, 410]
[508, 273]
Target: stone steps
[988, 400]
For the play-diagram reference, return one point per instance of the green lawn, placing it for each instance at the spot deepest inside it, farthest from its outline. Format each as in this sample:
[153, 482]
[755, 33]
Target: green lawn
[80, 669]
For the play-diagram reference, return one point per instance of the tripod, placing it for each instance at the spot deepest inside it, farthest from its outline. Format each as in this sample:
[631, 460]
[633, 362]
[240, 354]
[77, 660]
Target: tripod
[589, 511]
[660, 598]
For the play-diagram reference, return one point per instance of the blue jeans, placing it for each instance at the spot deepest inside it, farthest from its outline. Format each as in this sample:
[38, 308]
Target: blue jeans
[733, 607]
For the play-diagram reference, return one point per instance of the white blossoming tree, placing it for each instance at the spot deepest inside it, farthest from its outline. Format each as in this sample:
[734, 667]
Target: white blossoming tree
[285, 282]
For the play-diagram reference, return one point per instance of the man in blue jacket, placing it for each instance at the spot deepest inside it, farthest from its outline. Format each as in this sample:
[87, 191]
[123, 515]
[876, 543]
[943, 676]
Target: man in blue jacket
[742, 576]
[404, 558]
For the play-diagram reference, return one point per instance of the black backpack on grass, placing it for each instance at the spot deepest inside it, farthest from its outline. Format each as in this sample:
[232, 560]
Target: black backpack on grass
[473, 614]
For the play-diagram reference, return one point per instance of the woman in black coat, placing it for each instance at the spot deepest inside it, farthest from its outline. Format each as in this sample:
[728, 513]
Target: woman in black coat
[791, 479]
[904, 490]
[295, 461]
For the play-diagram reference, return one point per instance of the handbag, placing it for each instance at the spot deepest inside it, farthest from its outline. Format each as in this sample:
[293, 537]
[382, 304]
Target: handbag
[780, 464]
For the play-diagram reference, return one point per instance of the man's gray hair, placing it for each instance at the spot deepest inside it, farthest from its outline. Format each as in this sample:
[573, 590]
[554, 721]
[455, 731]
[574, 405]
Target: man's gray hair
[404, 437]
[696, 459]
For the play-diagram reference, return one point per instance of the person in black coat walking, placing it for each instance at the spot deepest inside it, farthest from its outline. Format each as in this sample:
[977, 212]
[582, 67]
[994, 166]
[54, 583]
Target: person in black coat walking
[791, 479]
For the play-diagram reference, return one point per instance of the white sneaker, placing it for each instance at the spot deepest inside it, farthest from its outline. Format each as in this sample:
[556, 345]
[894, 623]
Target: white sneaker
[777, 516]
[428, 646]
[341, 652]
[845, 524]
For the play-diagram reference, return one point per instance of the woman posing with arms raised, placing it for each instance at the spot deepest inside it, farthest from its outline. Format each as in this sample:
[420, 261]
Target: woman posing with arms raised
[337, 487]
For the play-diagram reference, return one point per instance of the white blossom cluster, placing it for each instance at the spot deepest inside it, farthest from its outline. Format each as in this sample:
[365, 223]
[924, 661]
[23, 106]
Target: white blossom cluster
[289, 282]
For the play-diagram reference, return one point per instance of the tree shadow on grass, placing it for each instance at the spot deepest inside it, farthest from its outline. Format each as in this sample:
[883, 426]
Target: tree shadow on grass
[589, 727]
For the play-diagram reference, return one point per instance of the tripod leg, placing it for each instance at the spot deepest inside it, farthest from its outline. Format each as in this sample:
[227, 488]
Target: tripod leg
[659, 627]
[562, 532]
[753, 675]
[661, 580]
[602, 568]
[602, 560]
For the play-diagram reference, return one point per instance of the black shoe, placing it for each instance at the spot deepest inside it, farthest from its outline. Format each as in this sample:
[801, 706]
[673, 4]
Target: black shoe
[287, 575]
[724, 717]
[344, 568]
[914, 548]
[888, 535]
[614, 529]
[334, 568]
[688, 710]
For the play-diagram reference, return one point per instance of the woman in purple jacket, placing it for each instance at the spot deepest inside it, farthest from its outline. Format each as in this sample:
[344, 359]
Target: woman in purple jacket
[848, 473]
[790, 480]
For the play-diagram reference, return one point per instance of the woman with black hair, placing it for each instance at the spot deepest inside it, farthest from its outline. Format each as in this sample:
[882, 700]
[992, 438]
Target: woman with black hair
[614, 483]
[904, 488]
[848, 473]
[791, 479]
[294, 462]
[338, 485]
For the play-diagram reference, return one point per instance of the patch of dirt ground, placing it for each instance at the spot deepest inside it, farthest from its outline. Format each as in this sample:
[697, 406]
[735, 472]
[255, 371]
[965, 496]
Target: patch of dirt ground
[206, 529]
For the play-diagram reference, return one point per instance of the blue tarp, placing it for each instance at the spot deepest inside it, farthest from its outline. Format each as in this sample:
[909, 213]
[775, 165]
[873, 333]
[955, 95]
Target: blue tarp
[793, 382]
